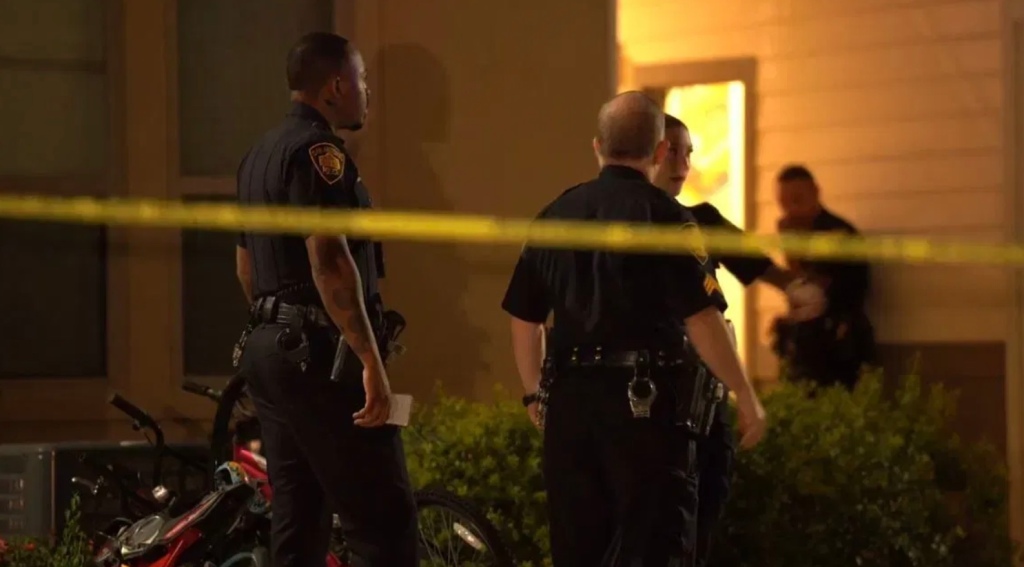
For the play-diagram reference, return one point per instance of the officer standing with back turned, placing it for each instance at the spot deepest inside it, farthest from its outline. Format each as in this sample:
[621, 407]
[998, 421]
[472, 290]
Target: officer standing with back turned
[619, 393]
[324, 429]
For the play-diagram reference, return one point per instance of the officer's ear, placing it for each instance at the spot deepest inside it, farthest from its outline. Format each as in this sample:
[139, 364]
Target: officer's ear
[660, 151]
[597, 152]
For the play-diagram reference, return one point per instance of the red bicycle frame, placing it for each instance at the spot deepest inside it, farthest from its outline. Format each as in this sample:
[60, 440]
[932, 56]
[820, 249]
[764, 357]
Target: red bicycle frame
[162, 541]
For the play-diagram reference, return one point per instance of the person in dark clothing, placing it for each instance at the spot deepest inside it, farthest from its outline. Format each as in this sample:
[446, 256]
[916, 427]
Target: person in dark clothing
[830, 350]
[616, 389]
[323, 424]
[807, 301]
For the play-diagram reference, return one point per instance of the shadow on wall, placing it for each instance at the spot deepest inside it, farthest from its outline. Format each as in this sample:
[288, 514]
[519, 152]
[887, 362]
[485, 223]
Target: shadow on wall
[427, 282]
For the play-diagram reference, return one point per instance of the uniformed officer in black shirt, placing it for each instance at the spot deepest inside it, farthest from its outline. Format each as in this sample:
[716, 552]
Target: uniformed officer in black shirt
[324, 431]
[619, 455]
[832, 349]
[806, 300]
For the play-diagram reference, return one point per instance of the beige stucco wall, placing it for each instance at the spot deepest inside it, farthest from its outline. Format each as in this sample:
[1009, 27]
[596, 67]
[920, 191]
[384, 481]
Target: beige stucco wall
[896, 107]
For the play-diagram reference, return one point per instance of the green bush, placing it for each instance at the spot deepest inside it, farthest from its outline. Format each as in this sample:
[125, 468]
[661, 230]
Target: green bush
[489, 454]
[72, 549]
[864, 479]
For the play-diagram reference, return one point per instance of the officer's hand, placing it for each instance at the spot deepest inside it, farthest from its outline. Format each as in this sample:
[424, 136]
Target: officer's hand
[378, 399]
[806, 300]
[531, 410]
[753, 420]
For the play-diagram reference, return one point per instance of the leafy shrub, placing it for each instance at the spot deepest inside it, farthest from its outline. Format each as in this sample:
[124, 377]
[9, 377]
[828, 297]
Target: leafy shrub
[842, 479]
[489, 454]
[71, 549]
[865, 479]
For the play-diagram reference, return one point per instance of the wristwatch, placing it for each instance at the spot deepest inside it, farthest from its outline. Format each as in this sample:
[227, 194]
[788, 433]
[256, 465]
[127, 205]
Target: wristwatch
[529, 399]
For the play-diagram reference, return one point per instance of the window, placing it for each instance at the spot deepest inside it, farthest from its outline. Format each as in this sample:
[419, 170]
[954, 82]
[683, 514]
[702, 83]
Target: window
[214, 311]
[55, 140]
[231, 74]
[53, 300]
[715, 116]
[53, 88]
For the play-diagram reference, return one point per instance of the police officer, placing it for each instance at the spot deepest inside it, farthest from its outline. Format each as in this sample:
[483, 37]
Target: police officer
[806, 300]
[832, 349]
[324, 429]
[619, 388]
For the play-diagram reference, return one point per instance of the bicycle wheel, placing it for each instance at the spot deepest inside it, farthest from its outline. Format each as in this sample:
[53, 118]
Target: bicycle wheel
[453, 533]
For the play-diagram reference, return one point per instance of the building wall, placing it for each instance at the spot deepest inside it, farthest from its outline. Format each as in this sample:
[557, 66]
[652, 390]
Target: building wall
[895, 106]
[172, 94]
[899, 108]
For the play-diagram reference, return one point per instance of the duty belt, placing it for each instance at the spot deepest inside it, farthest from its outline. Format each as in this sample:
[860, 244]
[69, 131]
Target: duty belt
[270, 310]
[600, 357]
[695, 398]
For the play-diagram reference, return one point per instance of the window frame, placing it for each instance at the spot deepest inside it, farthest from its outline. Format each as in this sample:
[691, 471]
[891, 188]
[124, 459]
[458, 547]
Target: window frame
[49, 396]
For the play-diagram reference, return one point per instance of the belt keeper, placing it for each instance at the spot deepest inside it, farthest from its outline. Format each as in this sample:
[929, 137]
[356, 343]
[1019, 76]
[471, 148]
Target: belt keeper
[643, 367]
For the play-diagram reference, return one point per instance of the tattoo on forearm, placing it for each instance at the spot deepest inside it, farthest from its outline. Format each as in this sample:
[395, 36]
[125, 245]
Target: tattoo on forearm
[348, 299]
[333, 264]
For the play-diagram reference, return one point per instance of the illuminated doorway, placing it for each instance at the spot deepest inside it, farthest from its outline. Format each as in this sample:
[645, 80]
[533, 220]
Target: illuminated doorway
[715, 114]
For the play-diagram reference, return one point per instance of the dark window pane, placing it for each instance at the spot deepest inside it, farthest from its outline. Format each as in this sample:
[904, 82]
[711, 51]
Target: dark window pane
[53, 30]
[54, 107]
[55, 122]
[53, 300]
[214, 310]
[231, 73]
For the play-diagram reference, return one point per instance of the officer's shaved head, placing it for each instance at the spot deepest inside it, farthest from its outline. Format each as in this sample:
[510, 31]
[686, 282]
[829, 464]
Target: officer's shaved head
[315, 58]
[327, 72]
[629, 127]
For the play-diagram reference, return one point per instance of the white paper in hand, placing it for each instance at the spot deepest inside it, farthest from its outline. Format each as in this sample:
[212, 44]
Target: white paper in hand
[401, 410]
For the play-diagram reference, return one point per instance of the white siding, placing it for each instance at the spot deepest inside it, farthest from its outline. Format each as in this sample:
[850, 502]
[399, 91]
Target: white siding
[895, 106]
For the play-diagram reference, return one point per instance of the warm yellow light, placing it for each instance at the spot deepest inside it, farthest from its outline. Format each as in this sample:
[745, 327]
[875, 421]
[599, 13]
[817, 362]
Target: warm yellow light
[715, 116]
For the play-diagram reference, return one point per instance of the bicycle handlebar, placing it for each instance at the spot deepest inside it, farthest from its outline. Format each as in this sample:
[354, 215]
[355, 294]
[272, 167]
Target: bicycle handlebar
[144, 420]
[201, 390]
[133, 411]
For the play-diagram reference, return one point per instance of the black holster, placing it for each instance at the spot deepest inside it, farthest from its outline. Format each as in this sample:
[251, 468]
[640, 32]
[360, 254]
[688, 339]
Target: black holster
[388, 326]
[708, 393]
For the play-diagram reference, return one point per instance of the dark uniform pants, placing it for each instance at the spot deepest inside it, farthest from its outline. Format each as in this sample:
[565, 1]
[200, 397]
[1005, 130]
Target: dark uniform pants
[828, 351]
[715, 457]
[622, 492]
[319, 462]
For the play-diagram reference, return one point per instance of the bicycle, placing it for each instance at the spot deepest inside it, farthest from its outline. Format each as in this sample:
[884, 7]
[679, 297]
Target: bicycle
[466, 536]
[159, 527]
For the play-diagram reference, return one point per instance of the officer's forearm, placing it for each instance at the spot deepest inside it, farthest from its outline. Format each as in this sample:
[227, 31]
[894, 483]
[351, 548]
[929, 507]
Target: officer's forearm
[710, 336]
[246, 287]
[243, 269]
[528, 350]
[777, 277]
[341, 289]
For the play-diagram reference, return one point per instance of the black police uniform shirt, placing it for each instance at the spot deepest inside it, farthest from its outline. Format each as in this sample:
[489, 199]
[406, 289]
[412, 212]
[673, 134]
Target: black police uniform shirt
[613, 299]
[301, 163]
[848, 283]
[745, 268]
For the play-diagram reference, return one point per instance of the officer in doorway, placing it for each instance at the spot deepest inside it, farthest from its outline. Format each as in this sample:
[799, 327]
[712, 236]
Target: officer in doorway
[323, 421]
[806, 301]
[620, 396]
[830, 350]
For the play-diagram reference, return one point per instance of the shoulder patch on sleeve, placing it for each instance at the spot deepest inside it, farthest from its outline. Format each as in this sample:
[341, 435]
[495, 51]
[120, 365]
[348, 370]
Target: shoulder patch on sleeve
[328, 160]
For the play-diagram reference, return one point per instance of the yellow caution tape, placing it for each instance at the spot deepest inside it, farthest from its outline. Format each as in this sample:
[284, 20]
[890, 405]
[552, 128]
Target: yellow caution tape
[476, 229]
